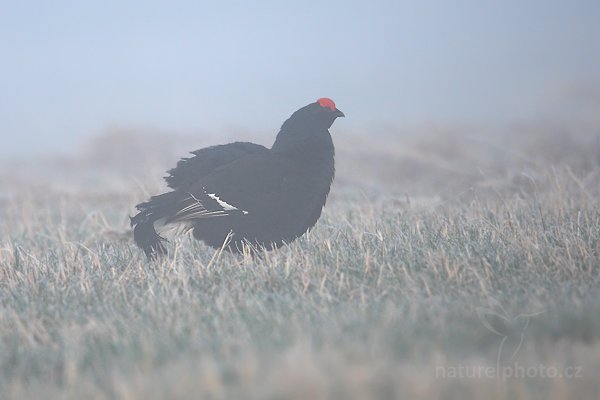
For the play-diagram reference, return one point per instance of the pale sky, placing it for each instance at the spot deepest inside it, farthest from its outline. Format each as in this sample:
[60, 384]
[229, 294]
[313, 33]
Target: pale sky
[69, 70]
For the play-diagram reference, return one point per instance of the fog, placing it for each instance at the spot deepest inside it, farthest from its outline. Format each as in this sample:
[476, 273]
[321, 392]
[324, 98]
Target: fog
[457, 255]
[71, 70]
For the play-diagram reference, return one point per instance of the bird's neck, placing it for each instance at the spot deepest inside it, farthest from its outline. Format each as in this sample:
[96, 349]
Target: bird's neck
[313, 157]
[309, 147]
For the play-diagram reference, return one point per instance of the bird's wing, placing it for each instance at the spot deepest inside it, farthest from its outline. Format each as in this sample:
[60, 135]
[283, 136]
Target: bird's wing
[239, 188]
[205, 161]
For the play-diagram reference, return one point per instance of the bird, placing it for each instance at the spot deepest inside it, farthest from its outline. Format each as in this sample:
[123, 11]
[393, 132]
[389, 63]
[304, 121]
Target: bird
[244, 195]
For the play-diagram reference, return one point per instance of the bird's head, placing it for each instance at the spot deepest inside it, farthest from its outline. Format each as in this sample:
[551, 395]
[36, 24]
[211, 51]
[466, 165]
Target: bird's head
[318, 115]
[322, 111]
[326, 111]
[310, 122]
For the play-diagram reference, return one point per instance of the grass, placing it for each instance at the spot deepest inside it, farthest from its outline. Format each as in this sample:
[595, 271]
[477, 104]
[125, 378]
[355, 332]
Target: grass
[386, 298]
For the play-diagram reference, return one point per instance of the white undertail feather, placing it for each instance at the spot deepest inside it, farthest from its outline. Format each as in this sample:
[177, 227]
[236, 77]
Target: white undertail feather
[172, 229]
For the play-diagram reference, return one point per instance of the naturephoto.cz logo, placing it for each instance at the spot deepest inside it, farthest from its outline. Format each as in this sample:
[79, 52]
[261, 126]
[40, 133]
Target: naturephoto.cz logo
[511, 332]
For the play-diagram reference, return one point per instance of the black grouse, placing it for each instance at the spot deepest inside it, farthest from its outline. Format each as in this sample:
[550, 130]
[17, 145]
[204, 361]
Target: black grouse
[245, 194]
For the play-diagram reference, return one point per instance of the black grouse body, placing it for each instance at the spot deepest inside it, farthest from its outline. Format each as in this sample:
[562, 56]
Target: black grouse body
[243, 193]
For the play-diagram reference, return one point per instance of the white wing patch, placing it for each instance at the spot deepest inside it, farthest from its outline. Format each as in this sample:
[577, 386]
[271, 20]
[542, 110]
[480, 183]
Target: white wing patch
[224, 204]
[194, 209]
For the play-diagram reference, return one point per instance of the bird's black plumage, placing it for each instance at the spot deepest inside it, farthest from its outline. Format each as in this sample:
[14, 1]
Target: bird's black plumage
[243, 193]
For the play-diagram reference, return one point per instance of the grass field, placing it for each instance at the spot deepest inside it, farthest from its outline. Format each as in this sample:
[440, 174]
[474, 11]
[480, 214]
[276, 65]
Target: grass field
[443, 267]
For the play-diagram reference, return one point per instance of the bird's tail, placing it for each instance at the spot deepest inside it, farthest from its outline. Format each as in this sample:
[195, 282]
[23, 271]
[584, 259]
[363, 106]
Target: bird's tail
[144, 232]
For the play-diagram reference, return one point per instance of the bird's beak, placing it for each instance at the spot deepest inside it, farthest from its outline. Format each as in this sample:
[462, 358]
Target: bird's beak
[338, 113]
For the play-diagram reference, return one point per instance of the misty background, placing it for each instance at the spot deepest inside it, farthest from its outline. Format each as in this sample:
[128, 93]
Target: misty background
[70, 71]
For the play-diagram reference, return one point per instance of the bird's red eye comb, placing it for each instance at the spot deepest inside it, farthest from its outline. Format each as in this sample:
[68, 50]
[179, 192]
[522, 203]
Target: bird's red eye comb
[325, 102]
